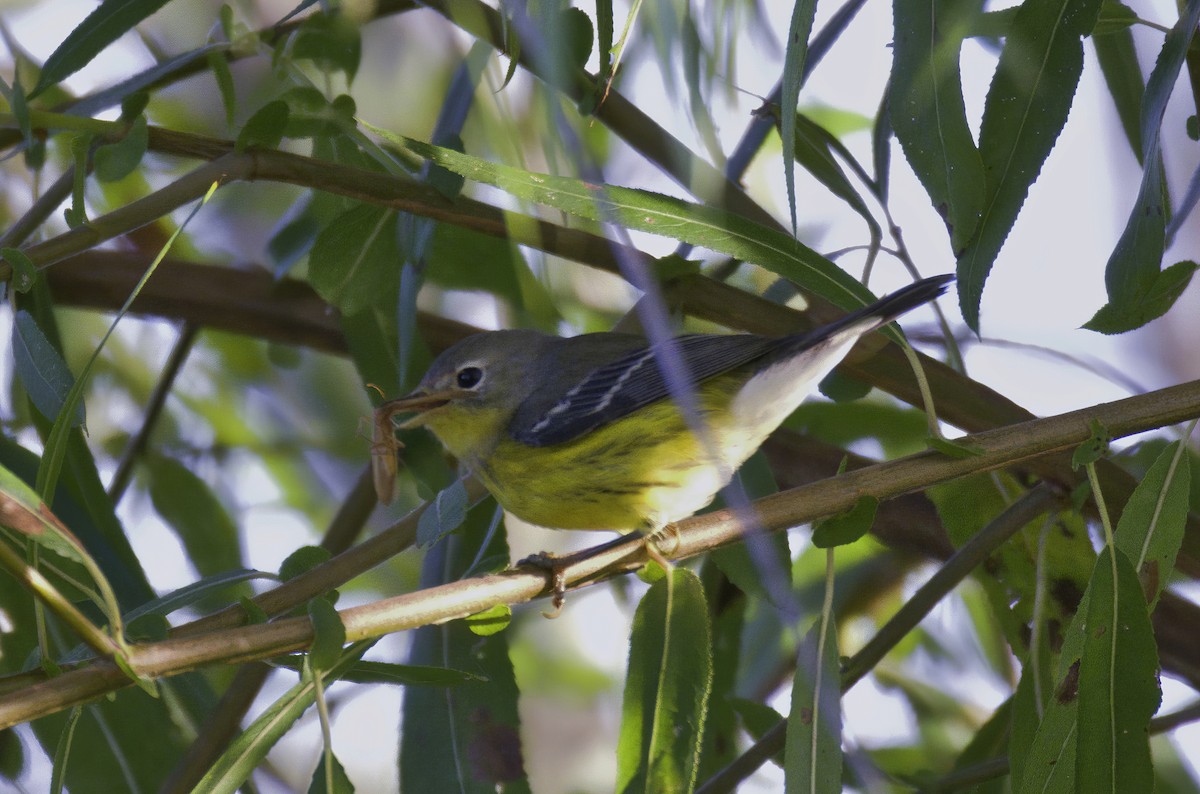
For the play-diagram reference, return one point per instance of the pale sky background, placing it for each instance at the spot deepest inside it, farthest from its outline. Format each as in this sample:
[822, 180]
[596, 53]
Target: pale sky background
[1047, 282]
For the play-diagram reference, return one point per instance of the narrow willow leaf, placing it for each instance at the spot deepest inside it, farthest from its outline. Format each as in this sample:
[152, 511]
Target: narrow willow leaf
[667, 687]
[926, 109]
[758, 719]
[62, 753]
[94, 104]
[604, 43]
[41, 369]
[1152, 523]
[1123, 75]
[188, 505]
[794, 56]
[102, 27]
[117, 160]
[395, 674]
[990, 741]
[813, 756]
[353, 261]
[247, 751]
[467, 741]
[727, 608]
[1132, 274]
[218, 64]
[445, 513]
[1025, 110]
[1118, 682]
[817, 150]
[708, 227]
[196, 591]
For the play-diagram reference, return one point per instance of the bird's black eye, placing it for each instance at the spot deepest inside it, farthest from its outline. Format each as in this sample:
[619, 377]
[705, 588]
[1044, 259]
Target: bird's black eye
[469, 377]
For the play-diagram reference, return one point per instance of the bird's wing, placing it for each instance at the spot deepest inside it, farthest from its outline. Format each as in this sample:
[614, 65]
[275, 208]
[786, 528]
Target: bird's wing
[630, 381]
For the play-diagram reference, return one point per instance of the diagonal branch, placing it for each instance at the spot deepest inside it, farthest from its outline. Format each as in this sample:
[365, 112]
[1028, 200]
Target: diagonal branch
[1000, 448]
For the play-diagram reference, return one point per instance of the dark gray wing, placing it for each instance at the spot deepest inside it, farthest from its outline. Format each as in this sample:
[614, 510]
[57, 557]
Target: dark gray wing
[628, 382]
[632, 377]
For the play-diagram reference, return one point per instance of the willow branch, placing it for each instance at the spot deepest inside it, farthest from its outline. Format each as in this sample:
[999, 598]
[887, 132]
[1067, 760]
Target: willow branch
[201, 646]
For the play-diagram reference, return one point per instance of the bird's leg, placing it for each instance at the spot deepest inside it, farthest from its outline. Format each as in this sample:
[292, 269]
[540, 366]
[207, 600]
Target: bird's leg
[656, 552]
[555, 567]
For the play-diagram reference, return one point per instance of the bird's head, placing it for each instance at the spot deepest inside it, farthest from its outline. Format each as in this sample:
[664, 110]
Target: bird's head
[471, 391]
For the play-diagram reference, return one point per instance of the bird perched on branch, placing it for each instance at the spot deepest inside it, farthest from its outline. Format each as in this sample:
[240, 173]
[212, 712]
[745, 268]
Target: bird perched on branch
[585, 432]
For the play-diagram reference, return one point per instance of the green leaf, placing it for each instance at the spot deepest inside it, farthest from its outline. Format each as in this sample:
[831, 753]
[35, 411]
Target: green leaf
[1095, 448]
[757, 719]
[42, 371]
[1025, 110]
[990, 741]
[1159, 298]
[814, 733]
[302, 560]
[721, 743]
[445, 514]
[23, 511]
[1137, 290]
[708, 227]
[927, 110]
[847, 527]
[115, 161]
[759, 561]
[321, 777]
[107, 23]
[1123, 76]
[24, 270]
[355, 260]
[265, 128]
[490, 621]
[188, 505]
[76, 214]
[1115, 17]
[1152, 523]
[1118, 682]
[469, 742]
[329, 635]
[954, 449]
[667, 687]
[331, 41]
[815, 149]
[394, 674]
[794, 56]
[218, 64]
[341, 782]
[247, 751]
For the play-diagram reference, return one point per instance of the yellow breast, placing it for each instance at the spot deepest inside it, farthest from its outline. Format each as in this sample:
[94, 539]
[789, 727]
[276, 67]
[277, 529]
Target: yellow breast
[639, 473]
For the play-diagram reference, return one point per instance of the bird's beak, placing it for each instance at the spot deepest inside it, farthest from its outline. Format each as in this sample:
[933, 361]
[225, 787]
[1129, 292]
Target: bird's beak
[418, 402]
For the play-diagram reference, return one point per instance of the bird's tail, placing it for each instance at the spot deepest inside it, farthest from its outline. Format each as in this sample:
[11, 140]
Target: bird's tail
[889, 307]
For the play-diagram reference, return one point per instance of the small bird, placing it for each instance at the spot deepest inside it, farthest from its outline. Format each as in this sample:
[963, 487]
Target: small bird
[583, 432]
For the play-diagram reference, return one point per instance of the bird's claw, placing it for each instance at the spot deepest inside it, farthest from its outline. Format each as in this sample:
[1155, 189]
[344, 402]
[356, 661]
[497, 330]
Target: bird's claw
[555, 569]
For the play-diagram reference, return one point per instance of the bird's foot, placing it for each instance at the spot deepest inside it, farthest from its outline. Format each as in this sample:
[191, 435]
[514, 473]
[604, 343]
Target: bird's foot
[555, 568]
